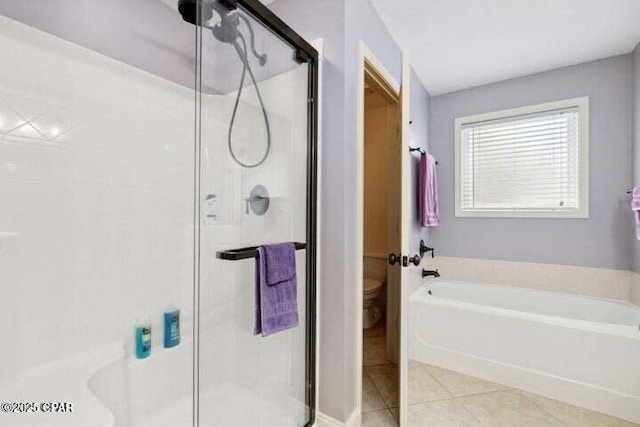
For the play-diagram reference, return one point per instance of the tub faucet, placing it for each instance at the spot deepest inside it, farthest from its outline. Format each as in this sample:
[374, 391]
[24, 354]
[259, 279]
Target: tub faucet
[427, 273]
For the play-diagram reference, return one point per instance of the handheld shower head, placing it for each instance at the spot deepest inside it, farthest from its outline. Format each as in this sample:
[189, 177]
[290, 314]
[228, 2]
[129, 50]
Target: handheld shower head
[189, 9]
[227, 30]
[200, 13]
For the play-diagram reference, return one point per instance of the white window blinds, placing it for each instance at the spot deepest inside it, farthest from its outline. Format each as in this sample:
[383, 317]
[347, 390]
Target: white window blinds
[524, 163]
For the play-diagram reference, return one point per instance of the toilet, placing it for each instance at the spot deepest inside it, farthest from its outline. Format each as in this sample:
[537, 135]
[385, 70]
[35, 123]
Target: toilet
[371, 312]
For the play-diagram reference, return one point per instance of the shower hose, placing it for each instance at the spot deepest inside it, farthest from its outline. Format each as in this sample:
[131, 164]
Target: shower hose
[242, 53]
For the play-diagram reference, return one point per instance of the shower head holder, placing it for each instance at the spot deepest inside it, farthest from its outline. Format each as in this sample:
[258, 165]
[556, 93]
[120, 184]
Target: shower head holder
[197, 12]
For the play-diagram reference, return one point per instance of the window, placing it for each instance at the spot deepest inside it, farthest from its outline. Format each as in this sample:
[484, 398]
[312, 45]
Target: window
[525, 162]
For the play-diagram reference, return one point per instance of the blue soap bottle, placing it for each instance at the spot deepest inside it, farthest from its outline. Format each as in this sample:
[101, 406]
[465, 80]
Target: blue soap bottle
[143, 340]
[171, 327]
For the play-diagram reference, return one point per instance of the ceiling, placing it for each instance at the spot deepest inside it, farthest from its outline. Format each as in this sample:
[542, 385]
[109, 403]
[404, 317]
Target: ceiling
[457, 44]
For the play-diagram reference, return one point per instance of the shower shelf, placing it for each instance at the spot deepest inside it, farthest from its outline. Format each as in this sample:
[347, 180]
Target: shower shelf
[246, 253]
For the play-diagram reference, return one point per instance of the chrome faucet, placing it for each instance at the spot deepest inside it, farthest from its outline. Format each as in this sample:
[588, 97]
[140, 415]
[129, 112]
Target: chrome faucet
[427, 273]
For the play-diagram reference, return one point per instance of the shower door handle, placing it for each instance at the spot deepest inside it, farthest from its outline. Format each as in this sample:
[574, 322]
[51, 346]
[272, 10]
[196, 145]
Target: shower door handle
[404, 260]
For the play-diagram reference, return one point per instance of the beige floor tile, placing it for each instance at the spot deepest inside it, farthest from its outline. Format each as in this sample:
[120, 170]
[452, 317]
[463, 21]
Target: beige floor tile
[444, 413]
[423, 387]
[382, 418]
[508, 409]
[396, 413]
[374, 351]
[573, 416]
[371, 399]
[385, 378]
[460, 384]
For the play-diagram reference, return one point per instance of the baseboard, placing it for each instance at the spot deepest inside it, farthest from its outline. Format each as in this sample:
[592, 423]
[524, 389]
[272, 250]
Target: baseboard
[324, 420]
[354, 420]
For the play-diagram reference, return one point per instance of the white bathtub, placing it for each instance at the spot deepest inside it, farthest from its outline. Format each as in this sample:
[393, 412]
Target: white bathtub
[581, 350]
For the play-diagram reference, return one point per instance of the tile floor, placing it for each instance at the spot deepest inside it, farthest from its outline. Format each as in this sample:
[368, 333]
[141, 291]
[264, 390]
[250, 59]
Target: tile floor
[379, 381]
[473, 402]
[443, 398]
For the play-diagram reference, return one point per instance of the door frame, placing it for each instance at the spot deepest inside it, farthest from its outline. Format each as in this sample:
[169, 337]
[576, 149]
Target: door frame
[405, 237]
[368, 64]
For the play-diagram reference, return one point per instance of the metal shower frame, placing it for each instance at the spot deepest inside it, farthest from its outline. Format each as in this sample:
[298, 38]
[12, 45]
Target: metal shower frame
[304, 53]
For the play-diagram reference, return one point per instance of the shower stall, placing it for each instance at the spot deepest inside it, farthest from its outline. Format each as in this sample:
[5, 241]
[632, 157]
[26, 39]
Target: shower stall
[147, 149]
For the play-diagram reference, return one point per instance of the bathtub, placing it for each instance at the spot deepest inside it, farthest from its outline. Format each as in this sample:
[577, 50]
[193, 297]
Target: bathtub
[581, 350]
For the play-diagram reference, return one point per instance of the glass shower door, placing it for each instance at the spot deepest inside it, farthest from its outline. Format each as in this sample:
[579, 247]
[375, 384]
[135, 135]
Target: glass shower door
[254, 190]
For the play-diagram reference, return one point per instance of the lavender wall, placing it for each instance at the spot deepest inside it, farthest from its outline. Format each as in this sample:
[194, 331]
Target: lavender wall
[145, 34]
[150, 35]
[418, 137]
[602, 240]
[636, 142]
[327, 21]
[342, 24]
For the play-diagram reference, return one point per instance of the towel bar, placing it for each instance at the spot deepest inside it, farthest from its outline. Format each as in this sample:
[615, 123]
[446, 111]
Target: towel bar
[246, 253]
[412, 149]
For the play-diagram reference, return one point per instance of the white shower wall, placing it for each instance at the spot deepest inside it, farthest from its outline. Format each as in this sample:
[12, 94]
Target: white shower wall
[96, 200]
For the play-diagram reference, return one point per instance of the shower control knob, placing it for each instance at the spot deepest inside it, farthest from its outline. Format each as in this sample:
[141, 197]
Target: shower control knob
[424, 249]
[393, 259]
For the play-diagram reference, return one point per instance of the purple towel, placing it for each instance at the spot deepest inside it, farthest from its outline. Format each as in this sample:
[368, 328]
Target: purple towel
[276, 290]
[635, 207]
[428, 192]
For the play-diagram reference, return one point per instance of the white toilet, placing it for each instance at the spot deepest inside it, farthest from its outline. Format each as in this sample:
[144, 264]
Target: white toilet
[371, 312]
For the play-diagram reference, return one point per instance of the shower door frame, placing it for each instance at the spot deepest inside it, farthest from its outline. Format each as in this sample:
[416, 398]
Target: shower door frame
[304, 53]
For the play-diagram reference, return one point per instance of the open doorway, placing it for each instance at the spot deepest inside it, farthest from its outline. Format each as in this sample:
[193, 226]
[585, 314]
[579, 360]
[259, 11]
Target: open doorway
[381, 236]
